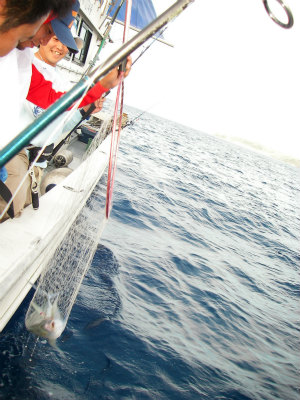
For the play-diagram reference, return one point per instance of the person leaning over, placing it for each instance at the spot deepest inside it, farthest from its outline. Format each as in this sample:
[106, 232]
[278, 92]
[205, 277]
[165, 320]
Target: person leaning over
[21, 19]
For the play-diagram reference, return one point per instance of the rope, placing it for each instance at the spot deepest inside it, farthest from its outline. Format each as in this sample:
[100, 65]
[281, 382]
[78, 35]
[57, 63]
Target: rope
[115, 137]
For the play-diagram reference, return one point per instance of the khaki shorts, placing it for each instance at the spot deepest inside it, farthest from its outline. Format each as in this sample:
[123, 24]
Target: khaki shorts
[16, 169]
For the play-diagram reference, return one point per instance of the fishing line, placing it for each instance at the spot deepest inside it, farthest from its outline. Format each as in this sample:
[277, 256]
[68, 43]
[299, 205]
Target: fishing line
[105, 36]
[142, 113]
[115, 137]
[153, 41]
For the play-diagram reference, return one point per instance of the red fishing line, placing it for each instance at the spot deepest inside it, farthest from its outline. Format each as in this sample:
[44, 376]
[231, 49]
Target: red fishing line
[115, 135]
[114, 146]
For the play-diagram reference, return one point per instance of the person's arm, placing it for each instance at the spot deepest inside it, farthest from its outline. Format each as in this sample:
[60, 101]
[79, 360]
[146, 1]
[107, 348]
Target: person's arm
[43, 95]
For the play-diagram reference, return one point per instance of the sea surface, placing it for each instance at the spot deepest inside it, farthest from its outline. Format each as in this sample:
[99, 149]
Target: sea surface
[193, 292]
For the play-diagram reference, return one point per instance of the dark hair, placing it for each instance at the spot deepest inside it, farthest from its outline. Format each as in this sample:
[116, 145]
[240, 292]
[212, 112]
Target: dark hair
[19, 12]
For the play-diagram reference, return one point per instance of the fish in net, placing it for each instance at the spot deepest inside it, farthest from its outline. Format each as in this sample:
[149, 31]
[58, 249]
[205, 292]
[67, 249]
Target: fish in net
[60, 281]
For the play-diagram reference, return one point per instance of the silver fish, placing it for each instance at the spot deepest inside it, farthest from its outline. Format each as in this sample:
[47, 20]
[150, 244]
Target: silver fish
[46, 321]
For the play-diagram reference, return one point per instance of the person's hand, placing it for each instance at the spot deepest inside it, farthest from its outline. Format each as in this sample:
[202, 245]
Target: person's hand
[112, 79]
[98, 105]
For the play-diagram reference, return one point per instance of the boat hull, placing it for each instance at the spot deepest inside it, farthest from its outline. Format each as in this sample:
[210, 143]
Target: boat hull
[28, 243]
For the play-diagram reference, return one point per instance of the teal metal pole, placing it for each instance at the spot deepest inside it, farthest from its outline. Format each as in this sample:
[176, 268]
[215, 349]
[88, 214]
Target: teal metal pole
[25, 137]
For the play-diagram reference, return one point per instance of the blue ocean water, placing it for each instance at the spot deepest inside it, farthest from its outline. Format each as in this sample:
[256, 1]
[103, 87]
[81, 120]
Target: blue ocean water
[193, 292]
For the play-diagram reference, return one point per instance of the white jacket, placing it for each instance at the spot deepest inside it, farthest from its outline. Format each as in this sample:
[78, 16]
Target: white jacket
[54, 131]
[15, 76]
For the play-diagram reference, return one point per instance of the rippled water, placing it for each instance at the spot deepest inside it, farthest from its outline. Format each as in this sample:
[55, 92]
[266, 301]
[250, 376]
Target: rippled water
[194, 290]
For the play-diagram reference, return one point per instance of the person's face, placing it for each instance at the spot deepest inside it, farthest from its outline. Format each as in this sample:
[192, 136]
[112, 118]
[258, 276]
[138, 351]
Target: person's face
[42, 37]
[53, 51]
[12, 38]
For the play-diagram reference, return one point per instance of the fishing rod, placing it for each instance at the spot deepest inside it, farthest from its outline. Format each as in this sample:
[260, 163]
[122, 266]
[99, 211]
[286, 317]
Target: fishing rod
[104, 38]
[153, 41]
[84, 115]
[139, 116]
[88, 112]
[115, 59]
[140, 55]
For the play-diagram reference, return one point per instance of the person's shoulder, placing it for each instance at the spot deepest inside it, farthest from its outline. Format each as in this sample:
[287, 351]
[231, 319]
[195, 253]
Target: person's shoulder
[8, 68]
[60, 82]
[42, 66]
[27, 54]
[12, 55]
[38, 63]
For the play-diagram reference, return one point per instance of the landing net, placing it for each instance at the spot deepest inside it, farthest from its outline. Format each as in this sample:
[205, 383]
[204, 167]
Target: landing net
[62, 277]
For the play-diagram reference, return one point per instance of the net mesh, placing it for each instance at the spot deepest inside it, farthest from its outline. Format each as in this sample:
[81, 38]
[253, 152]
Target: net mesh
[62, 277]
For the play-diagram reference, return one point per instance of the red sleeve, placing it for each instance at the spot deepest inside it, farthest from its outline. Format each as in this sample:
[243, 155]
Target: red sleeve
[43, 95]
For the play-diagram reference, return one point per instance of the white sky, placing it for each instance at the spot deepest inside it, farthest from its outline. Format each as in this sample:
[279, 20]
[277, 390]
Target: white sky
[233, 72]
